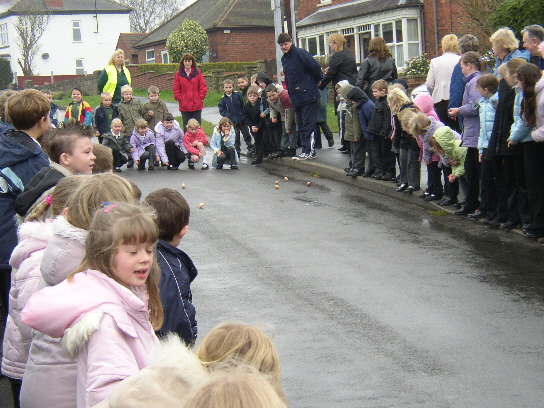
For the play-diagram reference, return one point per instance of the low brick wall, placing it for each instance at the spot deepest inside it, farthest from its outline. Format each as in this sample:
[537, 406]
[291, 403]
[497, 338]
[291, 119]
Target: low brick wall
[45, 79]
[87, 83]
[414, 81]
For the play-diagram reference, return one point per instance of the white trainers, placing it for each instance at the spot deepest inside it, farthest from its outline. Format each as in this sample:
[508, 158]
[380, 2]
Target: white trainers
[302, 156]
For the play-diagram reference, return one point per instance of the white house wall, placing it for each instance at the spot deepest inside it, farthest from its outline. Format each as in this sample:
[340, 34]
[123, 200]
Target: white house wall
[95, 48]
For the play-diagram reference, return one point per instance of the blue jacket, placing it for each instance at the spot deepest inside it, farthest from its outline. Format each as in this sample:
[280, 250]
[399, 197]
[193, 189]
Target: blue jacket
[177, 273]
[520, 132]
[487, 107]
[302, 74]
[21, 158]
[232, 107]
[100, 120]
[514, 54]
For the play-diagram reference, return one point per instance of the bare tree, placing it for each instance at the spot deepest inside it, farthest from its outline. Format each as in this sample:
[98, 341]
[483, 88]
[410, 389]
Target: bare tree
[29, 27]
[147, 15]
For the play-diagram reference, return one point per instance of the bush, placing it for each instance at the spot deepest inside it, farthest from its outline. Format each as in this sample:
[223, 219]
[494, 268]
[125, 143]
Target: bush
[418, 65]
[517, 14]
[157, 68]
[6, 75]
[188, 37]
[58, 95]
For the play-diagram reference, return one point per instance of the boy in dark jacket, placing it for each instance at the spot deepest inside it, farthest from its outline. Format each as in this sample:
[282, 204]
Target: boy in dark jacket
[256, 123]
[21, 157]
[380, 127]
[177, 269]
[272, 131]
[119, 144]
[243, 87]
[104, 114]
[231, 106]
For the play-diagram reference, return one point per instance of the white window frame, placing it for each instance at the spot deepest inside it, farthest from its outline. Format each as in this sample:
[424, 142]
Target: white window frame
[4, 39]
[165, 58]
[76, 28]
[80, 70]
[150, 60]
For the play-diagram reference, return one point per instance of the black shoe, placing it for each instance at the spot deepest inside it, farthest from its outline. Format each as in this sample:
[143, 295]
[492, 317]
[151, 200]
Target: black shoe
[432, 197]
[117, 169]
[191, 165]
[343, 149]
[353, 173]
[233, 167]
[495, 222]
[424, 195]
[525, 226]
[509, 225]
[402, 187]
[533, 234]
[171, 167]
[387, 177]
[410, 190]
[130, 164]
[347, 169]
[218, 167]
[150, 168]
[458, 205]
[463, 211]
[141, 168]
[365, 175]
[345, 152]
[446, 201]
[257, 161]
[476, 215]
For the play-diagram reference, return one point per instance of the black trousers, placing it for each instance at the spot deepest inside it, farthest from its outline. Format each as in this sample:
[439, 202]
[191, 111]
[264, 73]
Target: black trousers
[322, 126]
[434, 181]
[488, 190]
[450, 189]
[259, 143]
[174, 153]
[516, 189]
[472, 175]
[534, 172]
[228, 156]
[191, 115]
[149, 154]
[118, 158]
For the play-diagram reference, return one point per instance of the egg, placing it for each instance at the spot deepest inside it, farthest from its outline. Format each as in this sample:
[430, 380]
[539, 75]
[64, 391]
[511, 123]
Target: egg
[201, 205]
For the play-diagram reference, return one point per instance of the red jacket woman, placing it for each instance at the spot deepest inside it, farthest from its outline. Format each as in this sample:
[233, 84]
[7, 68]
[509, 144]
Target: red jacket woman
[189, 89]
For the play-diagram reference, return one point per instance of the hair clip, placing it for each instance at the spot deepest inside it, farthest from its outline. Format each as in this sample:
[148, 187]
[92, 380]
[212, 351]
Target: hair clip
[48, 199]
[106, 210]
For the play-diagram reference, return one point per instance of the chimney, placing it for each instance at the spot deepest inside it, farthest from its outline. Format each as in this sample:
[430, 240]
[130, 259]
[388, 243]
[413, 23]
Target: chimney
[53, 3]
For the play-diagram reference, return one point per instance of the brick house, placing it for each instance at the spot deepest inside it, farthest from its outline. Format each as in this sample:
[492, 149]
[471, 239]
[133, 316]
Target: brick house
[238, 30]
[126, 43]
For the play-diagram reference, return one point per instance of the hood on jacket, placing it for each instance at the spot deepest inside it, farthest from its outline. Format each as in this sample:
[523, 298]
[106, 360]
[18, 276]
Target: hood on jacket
[159, 127]
[261, 76]
[345, 87]
[194, 72]
[33, 236]
[357, 95]
[425, 104]
[53, 310]
[12, 152]
[174, 371]
[446, 139]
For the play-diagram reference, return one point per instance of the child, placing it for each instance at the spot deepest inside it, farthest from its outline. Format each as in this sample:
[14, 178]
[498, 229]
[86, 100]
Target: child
[154, 110]
[54, 113]
[119, 145]
[272, 131]
[101, 311]
[358, 115]
[169, 142]
[177, 269]
[410, 167]
[194, 140]
[444, 143]
[471, 66]
[243, 83]
[62, 255]
[71, 152]
[79, 109]
[435, 190]
[143, 145]
[25, 260]
[5, 124]
[280, 104]
[253, 80]
[129, 109]
[321, 124]
[222, 145]
[104, 114]
[21, 157]
[380, 127]
[103, 162]
[341, 114]
[255, 121]
[486, 86]
[240, 387]
[231, 106]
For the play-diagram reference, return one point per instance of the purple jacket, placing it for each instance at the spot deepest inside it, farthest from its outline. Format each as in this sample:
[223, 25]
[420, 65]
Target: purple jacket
[163, 135]
[470, 112]
[139, 143]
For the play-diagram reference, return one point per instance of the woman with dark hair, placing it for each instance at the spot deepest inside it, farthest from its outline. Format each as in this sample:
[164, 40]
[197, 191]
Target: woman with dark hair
[189, 89]
[378, 65]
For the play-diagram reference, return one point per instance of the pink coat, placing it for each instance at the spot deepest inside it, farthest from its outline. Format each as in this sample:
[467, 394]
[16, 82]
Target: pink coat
[25, 281]
[50, 373]
[189, 138]
[104, 325]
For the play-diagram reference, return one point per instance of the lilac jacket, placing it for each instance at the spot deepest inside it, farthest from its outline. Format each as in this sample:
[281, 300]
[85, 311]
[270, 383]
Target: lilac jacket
[428, 155]
[139, 143]
[470, 112]
[25, 281]
[163, 135]
[538, 132]
[50, 373]
[104, 325]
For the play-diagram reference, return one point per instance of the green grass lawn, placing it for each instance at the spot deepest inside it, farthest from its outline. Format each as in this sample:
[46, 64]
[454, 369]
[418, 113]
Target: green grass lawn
[332, 119]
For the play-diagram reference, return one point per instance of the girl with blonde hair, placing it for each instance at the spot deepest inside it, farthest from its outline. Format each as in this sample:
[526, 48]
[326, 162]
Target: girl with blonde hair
[64, 252]
[107, 310]
[114, 76]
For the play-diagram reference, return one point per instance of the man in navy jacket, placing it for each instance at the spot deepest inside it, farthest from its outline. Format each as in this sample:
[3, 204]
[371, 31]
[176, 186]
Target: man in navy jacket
[302, 75]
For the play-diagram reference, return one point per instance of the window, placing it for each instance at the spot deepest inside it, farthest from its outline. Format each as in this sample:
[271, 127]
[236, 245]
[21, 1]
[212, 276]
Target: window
[312, 45]
[150, 56]
[165, 58]
[393, 34]
[321, 45]
[76, 31]
[4, 35]
[413, 37]
[79, 67]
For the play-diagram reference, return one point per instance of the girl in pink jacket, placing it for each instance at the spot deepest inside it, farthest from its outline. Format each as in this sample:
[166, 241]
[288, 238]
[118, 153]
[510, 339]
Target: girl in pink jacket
[107, 311]
[195, 141]
[50, 374]
[25, 260]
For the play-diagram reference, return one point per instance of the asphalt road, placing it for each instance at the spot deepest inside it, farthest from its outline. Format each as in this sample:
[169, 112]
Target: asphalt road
[374, 303]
